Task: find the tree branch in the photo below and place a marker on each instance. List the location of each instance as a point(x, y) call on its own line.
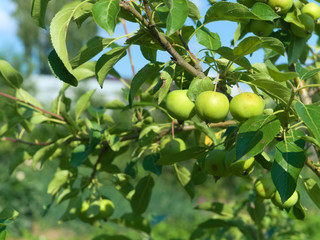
point(163, 41)
point(33, 106)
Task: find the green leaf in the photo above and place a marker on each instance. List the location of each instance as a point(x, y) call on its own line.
point(295, 49)
point(228, 54)
point(83, 103)
point(208, 39)
point(253, 43)
point(141, 197)
point(226, 223)
point(38, 12)
point(254, 134)
point(288, 163)
point(12, 77)
point(198, 86)
point(107, 61)
point(58, 33)
point(7, 215)
point(105, 14)
point(274, 89)
point(59, 70)
point(178, 13)
point(110, 237)
point(216, 207)
point(19, 156)
point(94, 46)
point(310, 115)
point(166, 77)
point(115, 104)
point(190, 153)
point(72, 211)
point(277, 75)
point(144, 38)
point(194, 12)
point(149, 53)
point(79, 155)
point(264, 11)
point(43, 154)
point(184, 177)
point(3, 234)
point(135, 222)
point(313, 190)
point(149, 164)
point(147, 73)
point(59, 179)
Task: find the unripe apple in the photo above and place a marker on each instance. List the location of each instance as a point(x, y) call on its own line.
point(106, 208)
point(308, 28)
point(280, 6)
point(264, 186)
point(261, 28)
point(223, 63)
point(170, 145)
point(311, 9)
point(215, 163)
point(246, 105)
point(239, 168)
point(179, 105)
point(287, 204)
point(83, 215)
point(212, 106)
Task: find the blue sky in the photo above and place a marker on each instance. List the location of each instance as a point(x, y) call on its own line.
point(10, 42)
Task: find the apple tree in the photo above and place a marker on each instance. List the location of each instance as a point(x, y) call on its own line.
point(178, 116)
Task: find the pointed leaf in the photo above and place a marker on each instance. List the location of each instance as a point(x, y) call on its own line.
point(313, 190)
point(38, 12)
point(12, 77)
point(166, 77)
point(105, 14)
point(208, 39)
point(288, 163)
point(310, 115)
point(148, 72)
point(83, 103)
point(59, 179)
point(190, 153)
point(94, 46)
point(198, 86)
point(254, 134)
point(178, 13)
point(107, 61)
point(184, 177)
point(140, 199)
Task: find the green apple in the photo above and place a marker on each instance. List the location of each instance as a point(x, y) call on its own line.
point(280, 6)
point(170, 145)
point(239, 168)
point(261, 28)
point(106, 208)
point(179, 105)
point(246, 105)
point(212, 106)
point(215, 163)
point(264, 186)
point(308, 23)
point(287, 204)
point(298, 4)
point(311, 9)
point(83, 215)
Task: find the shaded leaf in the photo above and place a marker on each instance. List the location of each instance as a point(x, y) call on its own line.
point(313, 190)
point(59, 179)
point(184, 177)
point(12, 77)
point(190, 153)
point(140, 199)
point(83, 103)
point(288, 163)
point(38, 12)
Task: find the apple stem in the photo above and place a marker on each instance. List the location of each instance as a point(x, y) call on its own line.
point(172, 128)
point(217, 80)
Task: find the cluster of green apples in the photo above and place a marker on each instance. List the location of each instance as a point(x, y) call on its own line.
point(307, 15)
point(214, 106)
point(100, 209)
point(265, 189)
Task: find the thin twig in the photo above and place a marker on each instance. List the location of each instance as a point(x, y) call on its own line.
point(163, 41)
point(129, 50)
point(33, 106)
point(217, 80)
point(193, 57)
point(25, 142)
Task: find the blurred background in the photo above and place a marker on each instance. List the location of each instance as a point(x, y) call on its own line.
point(26, 47)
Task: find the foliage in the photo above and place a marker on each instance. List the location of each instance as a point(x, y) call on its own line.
point(118, 143)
